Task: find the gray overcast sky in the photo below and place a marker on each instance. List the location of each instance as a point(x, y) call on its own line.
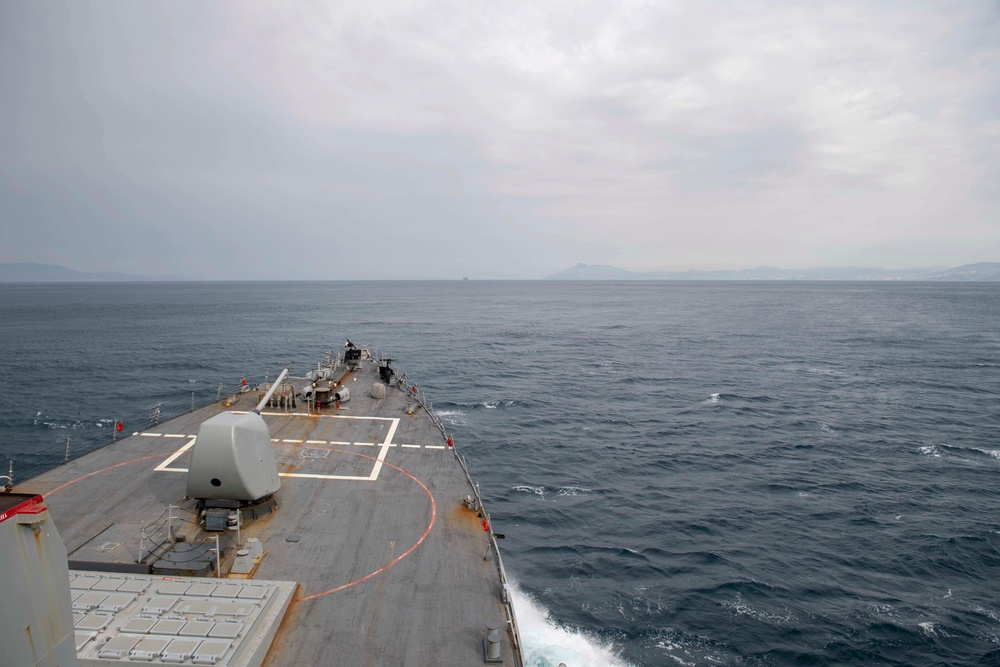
point(399, 139)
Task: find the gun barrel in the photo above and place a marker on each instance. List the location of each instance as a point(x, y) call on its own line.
point(267, 396)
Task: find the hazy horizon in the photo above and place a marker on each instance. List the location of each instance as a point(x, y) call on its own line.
point(424, 140)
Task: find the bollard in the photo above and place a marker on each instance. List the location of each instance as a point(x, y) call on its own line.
point(491, 644)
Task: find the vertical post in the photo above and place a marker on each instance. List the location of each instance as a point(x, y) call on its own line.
point(218, 564)
point(142, 540)
point(114, 431)
point(170, 522)
point(66, 458)
point(192, 401)
point(218, 394)
point(239, 526)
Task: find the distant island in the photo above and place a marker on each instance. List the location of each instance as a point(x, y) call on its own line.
point(982, 271)
point(27, 272)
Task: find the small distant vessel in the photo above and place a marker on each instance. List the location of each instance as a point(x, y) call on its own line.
point(318, 520)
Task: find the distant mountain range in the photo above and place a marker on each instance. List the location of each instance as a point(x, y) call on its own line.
point(983, 271)
point(50, 273)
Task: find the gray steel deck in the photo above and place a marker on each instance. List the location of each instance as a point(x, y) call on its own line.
point(392, 567)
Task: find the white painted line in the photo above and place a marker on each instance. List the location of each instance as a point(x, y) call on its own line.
point(175, 435)
point(339, 442)
point(318, 476)
point(295, 441)
point(384, 450)
point(315, 442)
point(292, 474)
point(307, 414)
point(152, 435)
point(165, 466)
point(275, 440)
point(364, 444)
point(433, 446)
point(135, 433)
point(384, 419)
point(411, 446)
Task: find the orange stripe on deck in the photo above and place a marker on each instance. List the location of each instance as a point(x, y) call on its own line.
point(97, 472)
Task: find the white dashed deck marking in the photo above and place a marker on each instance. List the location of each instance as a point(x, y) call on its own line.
point(376, 469)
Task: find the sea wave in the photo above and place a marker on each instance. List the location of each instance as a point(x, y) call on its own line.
point(547, 643)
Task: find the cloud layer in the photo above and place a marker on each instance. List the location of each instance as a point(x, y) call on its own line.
point(440, 139)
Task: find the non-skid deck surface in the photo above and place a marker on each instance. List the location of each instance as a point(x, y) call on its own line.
point(392, 568)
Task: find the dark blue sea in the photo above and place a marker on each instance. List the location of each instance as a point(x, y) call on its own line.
point(686, 473)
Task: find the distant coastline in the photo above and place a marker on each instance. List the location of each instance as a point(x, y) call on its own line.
point(982, 271)
point(27, 272)
point(979, 272)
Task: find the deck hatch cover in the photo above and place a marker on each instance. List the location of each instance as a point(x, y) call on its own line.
point(148, 648)
point(211, 651)
point(174, 588)
point(159, 604)
point(179, 650)
point(94, 621)
point(83, 583)
point(196, 629)
point(116, 602)
point(89, 600)
point(117, 647)
point(168, 626)
point(108, 584)
point(226, 630)
point(201, 589)
point(138, 625)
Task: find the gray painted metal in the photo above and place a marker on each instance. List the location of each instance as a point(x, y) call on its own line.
point(392, 567)
point(141, 619)
point(233, 459)
point(36, 626)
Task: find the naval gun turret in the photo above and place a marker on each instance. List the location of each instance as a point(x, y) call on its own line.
point(233, 466)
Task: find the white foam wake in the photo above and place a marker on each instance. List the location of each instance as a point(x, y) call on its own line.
point(546, 644)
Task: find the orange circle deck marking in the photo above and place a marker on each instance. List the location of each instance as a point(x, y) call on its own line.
point(403, 555)
point(368, 576)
